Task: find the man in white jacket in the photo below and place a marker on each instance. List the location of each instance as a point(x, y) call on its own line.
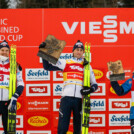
point(73, 72)
point(5, 103)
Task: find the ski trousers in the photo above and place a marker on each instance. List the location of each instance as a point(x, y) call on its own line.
point(4, 113)
point(67, 105)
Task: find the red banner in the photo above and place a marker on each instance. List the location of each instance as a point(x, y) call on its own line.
point(111, 34)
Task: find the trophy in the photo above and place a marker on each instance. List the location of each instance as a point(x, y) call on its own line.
point(51, 52)
point(117, 70)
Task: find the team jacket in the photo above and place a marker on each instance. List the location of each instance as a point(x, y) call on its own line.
point(4, 80)
point(73, 71)
point(124, 89)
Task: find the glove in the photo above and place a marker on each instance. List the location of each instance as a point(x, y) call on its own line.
point(12, 104)
point(85, 62)
point(42, 45)
point(87, 90)
point(132, 113)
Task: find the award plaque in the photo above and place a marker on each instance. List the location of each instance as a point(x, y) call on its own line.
point(117, 70)
point(51, 52)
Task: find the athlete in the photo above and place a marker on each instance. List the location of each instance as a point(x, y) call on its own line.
point(73, 89)
point(123, 89)
point(5, 103)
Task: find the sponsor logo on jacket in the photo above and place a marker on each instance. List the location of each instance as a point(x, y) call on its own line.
point(76, 68)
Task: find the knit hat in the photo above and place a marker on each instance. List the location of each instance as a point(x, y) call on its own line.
point(4, 44)
point(78, 44)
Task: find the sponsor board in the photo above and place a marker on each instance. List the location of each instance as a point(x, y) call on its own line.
point(18, 105)
point(112, 91)
point(57, 76)
point(57, 89)
point(19, 121)
point(128, 73)
point(119, 104)
point(97, 131)
point(37, 74)
point(38, 132)
point(56, 104)
point(37, 121)
point(38, 104)
point(97, 120)
point(101, 91)
point(17, 132)
point(98, 73)
point(119, 120)
point(98, 105)
point(37, 89)
point(121, 131)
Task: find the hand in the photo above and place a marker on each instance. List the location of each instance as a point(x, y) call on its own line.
point(86, 90)
point(42, 45)
point(132, 113)
point(85, 62)
point(12, 104)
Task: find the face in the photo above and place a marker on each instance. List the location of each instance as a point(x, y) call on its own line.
point(4, 51)
point(78, 53)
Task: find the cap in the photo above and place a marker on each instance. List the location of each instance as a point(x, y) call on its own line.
point(78, 44)
point(4, 44)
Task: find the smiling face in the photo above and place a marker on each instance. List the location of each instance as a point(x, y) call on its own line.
point(4, 51)
point(78, 53)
